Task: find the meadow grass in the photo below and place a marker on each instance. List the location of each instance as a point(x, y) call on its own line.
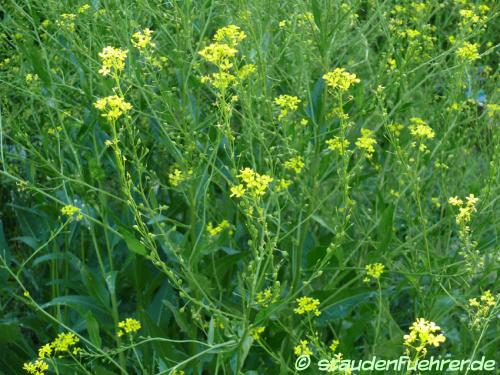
point(239, 187)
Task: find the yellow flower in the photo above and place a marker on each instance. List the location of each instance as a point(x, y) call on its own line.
point(232, 35)
point(468, 51)
point(237, 191)
point(334, 345)
point(391, 64)
point(113, 60)
point(214, 231)
point(340, 79)
point(253, 182)
point(366, 142)
point(481, 309)
point(287, 104)
point(374, 271)
point(128, 325)
point(219, 55)
point(423, 333)
point(466, 209)
point(70, 210)
point(177, 177)
point(83, 8)
point(245, 71)
point(67, 21)
point(307, 304)
point(31, 77)
point(37, 367)
point(221, 80)
point(264, 297)
point(296, 164)
point(64, 341)
point(455, 201)
point(45, 351)
point(303, 349)
point(395, 129)
point(336, 144)
point(419, 128)
point(492, 109)
point(142, 39)
point(283, 184)
point(257, 332)
point(113, 107)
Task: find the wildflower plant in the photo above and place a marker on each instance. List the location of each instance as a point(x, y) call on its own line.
point(482, 309)
point(422, 335)
point(265, 184)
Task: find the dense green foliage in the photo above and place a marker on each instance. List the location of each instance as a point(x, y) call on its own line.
point(202, 179)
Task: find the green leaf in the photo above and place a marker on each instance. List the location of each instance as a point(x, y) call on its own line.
point(9, 333)
point(385, 228)
point(39, 65)
point(341, 308)
point(133, 243)
point(93, 329)
point(82, 304)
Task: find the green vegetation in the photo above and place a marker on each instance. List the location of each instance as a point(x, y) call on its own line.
point(239, 187)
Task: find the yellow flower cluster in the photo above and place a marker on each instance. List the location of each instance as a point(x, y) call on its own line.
point(264, 297)
point(373, 271)
point(334, 345)
point(395, 128)
point(336, 144)
point(468, 51)
point(423, 333)
point(177, 177)
point(37, 367)
point(287, 104)
point(113, 60)
point(64, 342)
point(303, 349)
point(29, 78)
point(83, 8)
point(67, 21)
point(128, 325)
point(465, 208)
point(296, 164)
point(340, 79)
point(366, 143)
point(283, 184)
point(143, 39)
point(45, 351)
point(70, 210)
point(471, 19)
point(221, 53)
point(257, 332)
point(481, 309)
point(230, 35)
point(420, 130)
point(307, 304)
point(253, 183)
point(492, 109)
point(214, 231)
point(113, 107)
